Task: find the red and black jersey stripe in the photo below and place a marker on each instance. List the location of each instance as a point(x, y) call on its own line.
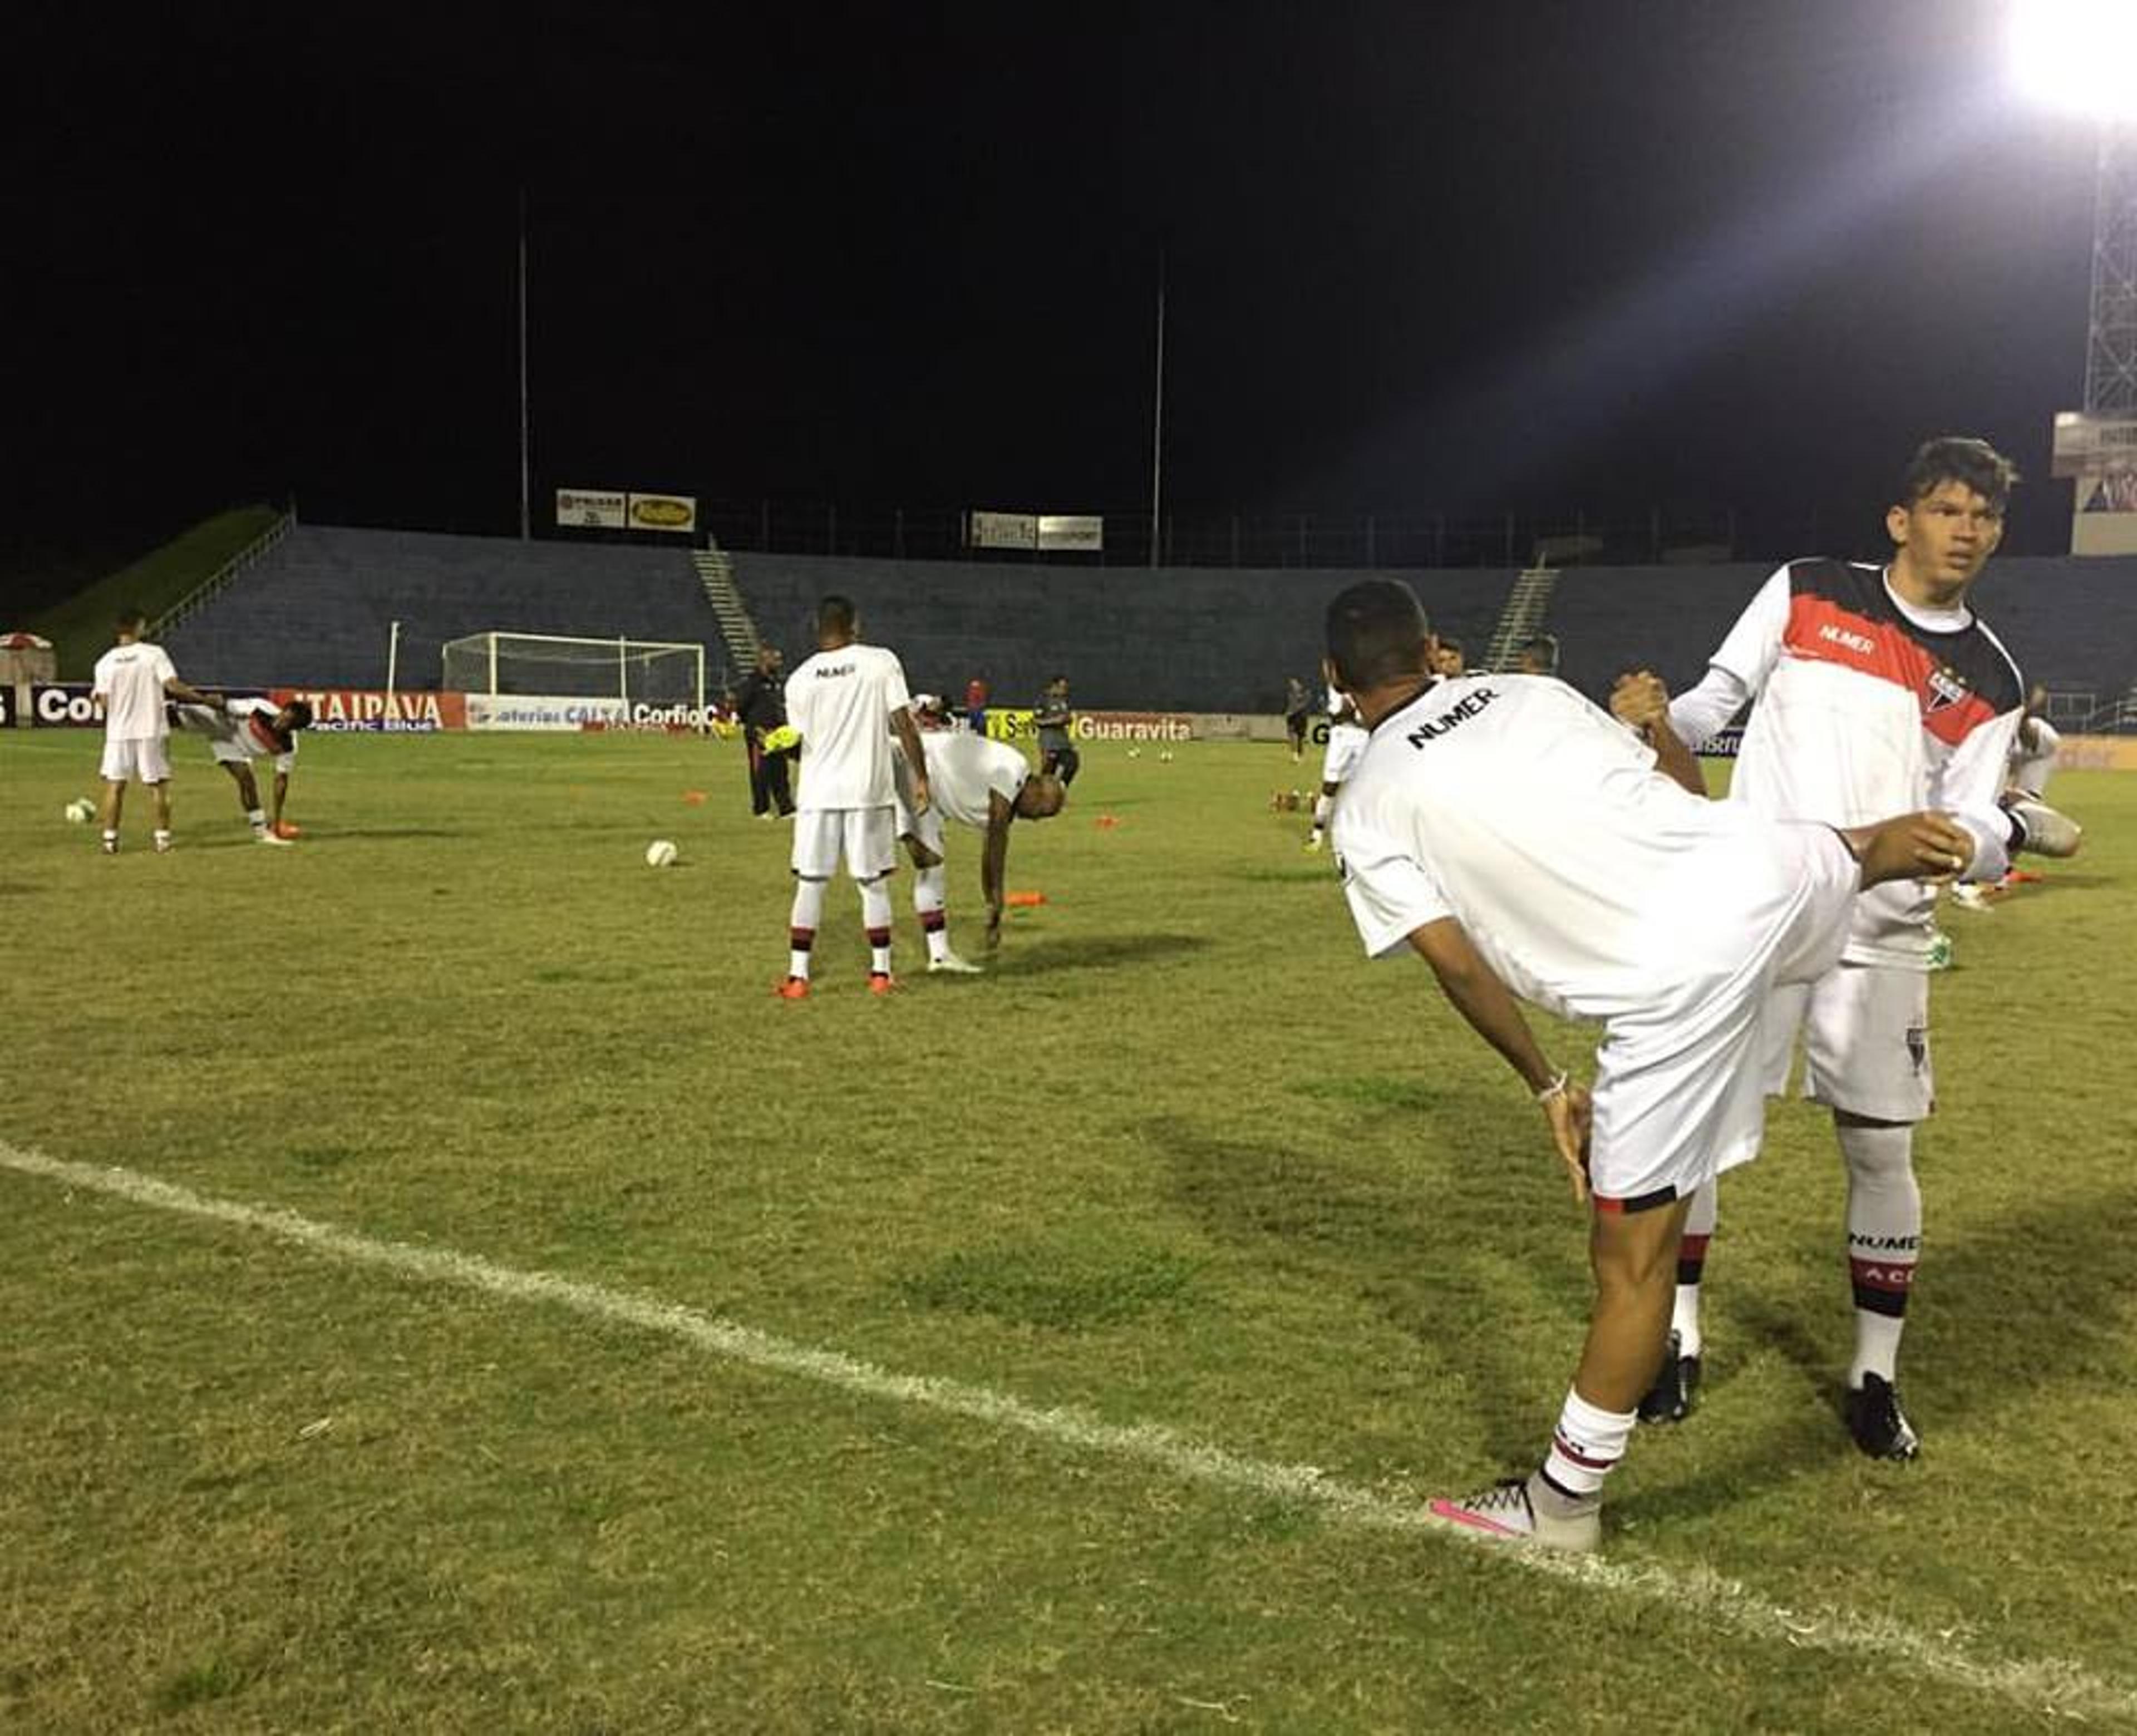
point(1840, 613)
point(263, 733)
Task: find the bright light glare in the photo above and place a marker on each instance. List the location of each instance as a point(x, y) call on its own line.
point(2078, 55)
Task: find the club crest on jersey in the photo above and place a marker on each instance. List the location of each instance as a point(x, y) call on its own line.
point(1918, 1047)
point(1945, 687)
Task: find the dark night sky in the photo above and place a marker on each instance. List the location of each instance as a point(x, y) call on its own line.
point(1460, 258)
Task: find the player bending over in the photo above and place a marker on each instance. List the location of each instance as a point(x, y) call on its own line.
point(846, 702)
point(247, 731)
point(1877, 690)
point(985, 784)
point(1523, 843)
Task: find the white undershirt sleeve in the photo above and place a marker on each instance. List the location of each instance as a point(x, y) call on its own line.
point(1737, 672)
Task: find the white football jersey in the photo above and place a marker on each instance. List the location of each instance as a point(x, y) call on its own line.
point(1583, 876)
point(1865, 707)
point(244, 727)
point(842, 701)
point(965, 770)
point(131, 679)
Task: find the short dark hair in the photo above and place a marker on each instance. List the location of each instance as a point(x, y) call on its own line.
point(1962, 458)
point(1376, 633)
point(835, 614)
point(301, 714)
point(130, 618)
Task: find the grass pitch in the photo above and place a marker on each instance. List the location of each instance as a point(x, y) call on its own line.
point(1181, 1158)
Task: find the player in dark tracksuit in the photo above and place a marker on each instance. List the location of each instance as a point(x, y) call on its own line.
point(760, 703)
point(1057, 752)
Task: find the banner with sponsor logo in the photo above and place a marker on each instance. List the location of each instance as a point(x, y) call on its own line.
point(373, 712)
point(64, 705)
point(1001, 530)
point(1084, 531)
point(662, 512)
point(593, 509)
point(7, 704)
point(544, 711)
point(674, 720)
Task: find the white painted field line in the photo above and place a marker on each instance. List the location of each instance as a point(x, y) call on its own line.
point(2039, 1685)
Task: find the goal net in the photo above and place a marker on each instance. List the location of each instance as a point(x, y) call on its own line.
point(644, 671)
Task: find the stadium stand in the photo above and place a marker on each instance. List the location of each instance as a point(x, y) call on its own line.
point(1179, 639)
point(316, 608)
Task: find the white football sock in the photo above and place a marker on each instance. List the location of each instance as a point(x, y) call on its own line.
point(929, 899)
point(875, 918)
point(1884, 1242)
point(802, 927)
point(1692, 1267)
point(1586, 1447)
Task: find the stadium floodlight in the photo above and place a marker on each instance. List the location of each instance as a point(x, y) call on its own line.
point(2076, 55)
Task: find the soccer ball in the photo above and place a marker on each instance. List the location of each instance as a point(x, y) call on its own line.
point(661, 853)
point(80, 811)
point(1135, 753)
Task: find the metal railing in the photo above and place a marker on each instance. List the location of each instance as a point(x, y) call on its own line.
point(203, 594)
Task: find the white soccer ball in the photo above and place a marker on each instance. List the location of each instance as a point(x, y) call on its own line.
point(661, 853)
point(80, 811)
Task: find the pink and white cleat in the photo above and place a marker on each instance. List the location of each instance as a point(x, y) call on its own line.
point(1503, 1513)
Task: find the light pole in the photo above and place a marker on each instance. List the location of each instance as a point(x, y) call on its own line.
point(2075, 56)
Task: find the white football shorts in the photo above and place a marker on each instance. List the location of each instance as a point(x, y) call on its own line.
point(1678, 1090)
point(145, 757)
point(1346, 742)
point(925, 829)
point(1866, 1042)
point(866, 838)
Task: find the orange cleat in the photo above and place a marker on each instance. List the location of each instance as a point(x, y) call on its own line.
point(795, 988)
point(881, 983)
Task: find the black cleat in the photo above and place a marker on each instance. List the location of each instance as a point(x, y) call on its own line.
point(1677, 1386)
point(1880, 1426)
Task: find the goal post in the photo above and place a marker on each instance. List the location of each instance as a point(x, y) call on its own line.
point(642, 671)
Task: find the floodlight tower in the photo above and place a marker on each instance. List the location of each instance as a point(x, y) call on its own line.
point(2076, 55)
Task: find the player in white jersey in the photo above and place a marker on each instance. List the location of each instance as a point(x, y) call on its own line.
point(133, 682)
point(1524, 844)
point(244, 731)
point(985, 784)
point(1346, 741)
point(845, 702)
point(1876, 691)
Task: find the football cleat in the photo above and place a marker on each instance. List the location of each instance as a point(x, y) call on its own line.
point(108, 846)
point(2048, 833)
point(1970, 895)
point(273, 837)
point(795, 988)
point(1670, 1399)
point(1503, 1513)
point(954, 965)
point(1312, 844)
point(882, 982)
point(1880, 1426)
point(162, 847)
